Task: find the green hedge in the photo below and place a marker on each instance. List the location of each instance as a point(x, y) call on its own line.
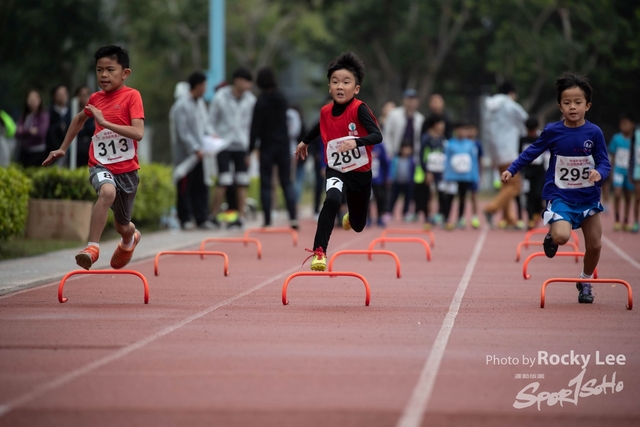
point(156, 192)
point(14, 201)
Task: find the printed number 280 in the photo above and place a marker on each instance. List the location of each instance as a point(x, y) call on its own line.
point(345, 156)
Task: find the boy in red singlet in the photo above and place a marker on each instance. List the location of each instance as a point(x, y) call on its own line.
point(113, 158)
point(349, 130)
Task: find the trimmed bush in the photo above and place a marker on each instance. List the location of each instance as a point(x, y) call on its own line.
point(61, 184)
point(156, 194)
point(14, 201)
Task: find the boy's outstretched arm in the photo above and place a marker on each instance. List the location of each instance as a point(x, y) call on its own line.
point(74, 128)
point(135, 131)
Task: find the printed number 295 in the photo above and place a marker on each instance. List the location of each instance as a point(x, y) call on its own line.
point(575, 174)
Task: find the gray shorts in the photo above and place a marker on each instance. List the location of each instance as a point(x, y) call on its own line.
point(126, 187)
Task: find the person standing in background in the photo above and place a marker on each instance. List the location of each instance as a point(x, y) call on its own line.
point(505, 125)
point(620, 150)
point(297, 131)
point(379, 181)
point(84, 136)
point(269, 126)
point(59, 120)
point(231, 112)
point(436, 107)
point(32, 130)
point(404, 124)
point(534, 175)
point(187, 139)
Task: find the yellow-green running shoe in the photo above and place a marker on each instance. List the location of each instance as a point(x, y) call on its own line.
point(318, 259)
point(345, 222)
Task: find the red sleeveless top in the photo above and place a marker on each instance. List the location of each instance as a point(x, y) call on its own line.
point(346, 124)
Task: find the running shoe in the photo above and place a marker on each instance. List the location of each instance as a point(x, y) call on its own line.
point(427, 226)
point(450, 226)
point(237, 223)
point(635, 228)
point(520, 224)
point(122, 256)
point(617, 226)
point(461, 224)
point(550, 248)
point(318, 259)
point(88, 256)
point(475, 222)
point(345, 223)
point(584, 293)
point(294, 224)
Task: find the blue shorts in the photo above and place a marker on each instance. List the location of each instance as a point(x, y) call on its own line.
point(621, 180)
point(474, 186)
point(574, 213)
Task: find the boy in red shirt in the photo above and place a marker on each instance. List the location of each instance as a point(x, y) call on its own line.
point(349, 130)
point(113, 158)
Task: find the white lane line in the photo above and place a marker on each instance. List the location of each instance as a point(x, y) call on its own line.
point(70, 376)
point(620, 252)
point(413, 413)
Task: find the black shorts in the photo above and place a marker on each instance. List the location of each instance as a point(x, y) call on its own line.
point(225, 177)
point(126, 188)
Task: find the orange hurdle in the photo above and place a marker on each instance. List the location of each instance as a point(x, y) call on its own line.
point(540, 254)
point(270, 230)
point(244, 240)
point(108, 272)
point(326, 273)
point(201, 253)
point(526, 245)
point(365, 252)
point(527, 237)
point(381, 240)
point(622, 282)
point(432, 239)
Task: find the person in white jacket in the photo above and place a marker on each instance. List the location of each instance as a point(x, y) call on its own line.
point(231, 112)
point(403, 123)
point(504, 125)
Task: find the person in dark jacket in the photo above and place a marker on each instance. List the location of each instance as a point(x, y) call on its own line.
point(59, 120)
point(32, 132)
point(269, 127)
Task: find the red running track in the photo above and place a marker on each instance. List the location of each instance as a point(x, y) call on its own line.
point(213, 350)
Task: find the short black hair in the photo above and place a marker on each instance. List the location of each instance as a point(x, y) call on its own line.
point(114, 52)
point(242, 73)
point(569, 80)
point(266, 79)
point(433, 119)
point(347, 61)
point(627, 115)
point(55, 89)
point(507, 87)
point(458, 125)
point(196, 78)
point(531, 123)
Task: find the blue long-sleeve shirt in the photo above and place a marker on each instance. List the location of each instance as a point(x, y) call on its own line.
point(574, 152)
point(379, 165)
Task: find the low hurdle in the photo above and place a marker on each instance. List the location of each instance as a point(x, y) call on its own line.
point(527, 237)
point(526, 245)
point(381, 240)
point(274, 230)
point(365, 252)
point(542, 254)
point(244, 240)
point(326, 273)
point(103, 272)
point(201, 253)
point(568, 280)
point(432, 238)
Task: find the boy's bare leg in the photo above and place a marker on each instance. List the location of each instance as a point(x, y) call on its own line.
point(592, 231)
point(242, 199)
point(100, 211)
point(560, 232)
point(126, 231)
point(218, 196)
point(627, 205)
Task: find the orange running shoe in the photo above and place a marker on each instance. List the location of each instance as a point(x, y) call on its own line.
point(122, 256)
point(88, 256)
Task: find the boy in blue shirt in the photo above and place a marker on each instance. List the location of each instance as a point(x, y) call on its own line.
point(579, 163)
point(620, 147)
point(460, 172)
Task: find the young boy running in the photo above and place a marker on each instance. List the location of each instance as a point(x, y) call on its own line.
point(579, 164)
point(349, 130)
point(113, 159)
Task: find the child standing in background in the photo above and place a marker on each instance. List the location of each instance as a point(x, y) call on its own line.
point(472, 134)
point(380, 176)
point(461, 170)
point(401, 175)
point(619, 148)
point(432, 160)
point(534, 175)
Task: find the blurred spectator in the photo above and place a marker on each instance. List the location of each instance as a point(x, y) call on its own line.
point(187, 140)
point(534, 176)
point(297, 131)
point(401, 174)
point(7, 131)
point(379, 180)
point(505, 125)
point(84, 136)
point(404, 124)
point(384, 113)
point(231, 112)
point(432, 161)
point(269, 126)
point(59, 120)
point(436, 107)
point(32, 132)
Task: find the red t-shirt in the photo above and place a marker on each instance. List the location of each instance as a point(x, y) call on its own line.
point(346, 124)
point(116, 153)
